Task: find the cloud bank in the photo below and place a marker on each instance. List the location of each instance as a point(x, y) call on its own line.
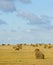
point(43, 22)
point(7, 5)
point(25, 1)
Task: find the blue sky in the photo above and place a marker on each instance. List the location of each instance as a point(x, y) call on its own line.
point(26, 21)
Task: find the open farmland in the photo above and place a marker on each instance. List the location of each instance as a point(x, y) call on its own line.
point(25, 56)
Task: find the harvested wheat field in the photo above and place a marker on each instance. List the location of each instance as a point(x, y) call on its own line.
point(24, 54)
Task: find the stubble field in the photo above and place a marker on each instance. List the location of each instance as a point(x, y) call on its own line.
point(25, 56)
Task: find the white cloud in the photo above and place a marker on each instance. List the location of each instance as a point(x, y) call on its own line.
point(28, 30)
